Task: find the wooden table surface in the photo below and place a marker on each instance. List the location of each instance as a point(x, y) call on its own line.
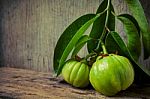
point(26, 84)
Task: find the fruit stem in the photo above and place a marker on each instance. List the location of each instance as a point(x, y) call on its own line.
point(77, 58)
point(89, 55)
point(84, 61)
point(104, 48)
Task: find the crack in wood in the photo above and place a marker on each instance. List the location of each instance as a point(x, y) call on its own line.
point(82, 93)
point(6, 97)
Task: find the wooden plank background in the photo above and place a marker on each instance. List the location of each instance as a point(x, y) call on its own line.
point(29, 29)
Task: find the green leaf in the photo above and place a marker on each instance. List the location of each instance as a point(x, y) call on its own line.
point(113, 47)
point(138, 12)
point(139, 69)
point(69, 38)
point(81, 42)
point(132, 31)
point(111, 18)
point(98, 29)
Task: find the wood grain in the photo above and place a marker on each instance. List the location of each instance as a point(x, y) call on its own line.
point(29, 29)
point(25, 84)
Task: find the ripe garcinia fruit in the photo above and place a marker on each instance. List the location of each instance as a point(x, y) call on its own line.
point(76, 73)
point(111, 74)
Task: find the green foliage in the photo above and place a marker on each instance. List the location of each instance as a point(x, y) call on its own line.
point(69, 38)
point(138, 12)
point(103, 30)
point(132, 30)
point(98, 29)
point(81, 42)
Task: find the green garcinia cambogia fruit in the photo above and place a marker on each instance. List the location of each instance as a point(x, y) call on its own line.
point(111, 74)
point(76, 73)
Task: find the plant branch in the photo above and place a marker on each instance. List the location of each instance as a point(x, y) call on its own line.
point(104, 31)
point(89, 55)
point(106, 21)
point(104, 48)
point(107, 29)
point(113, 14)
